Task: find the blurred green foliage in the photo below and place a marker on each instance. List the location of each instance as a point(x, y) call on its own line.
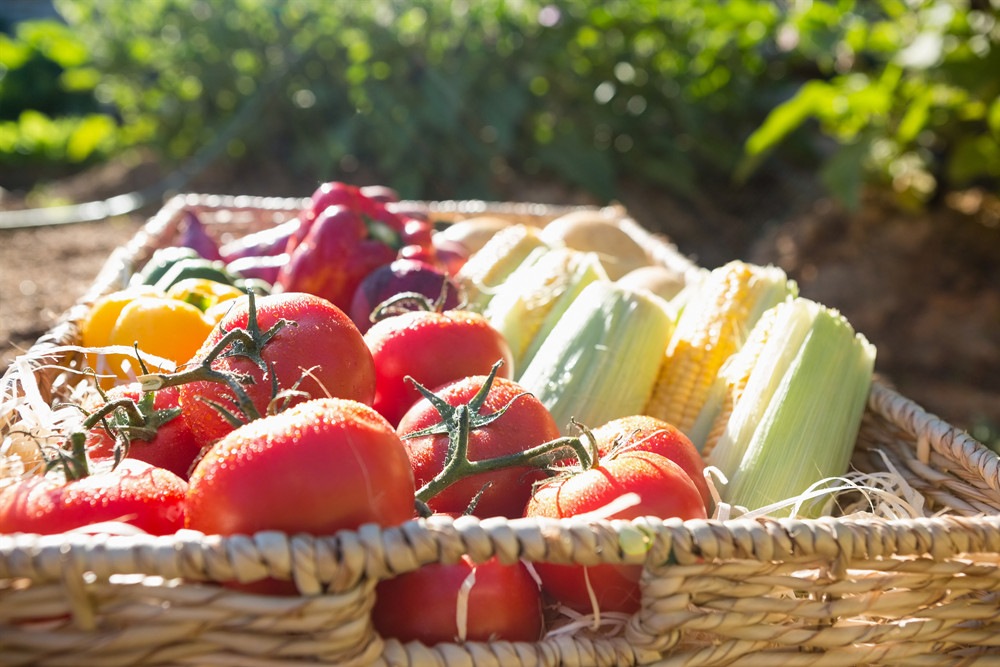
point(443, 98)
point(48, 112)
point(908, 91)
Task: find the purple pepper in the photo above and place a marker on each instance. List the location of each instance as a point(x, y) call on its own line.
point(194, 235)
point(401, 275)
point(265, 243)
point(263, 267)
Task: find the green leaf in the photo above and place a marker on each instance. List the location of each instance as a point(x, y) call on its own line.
point(56, 41)
point(574, 159)
point(993, 116)
point(80, 79)
point(788, 116)
point(973, 158)
point(915, 119)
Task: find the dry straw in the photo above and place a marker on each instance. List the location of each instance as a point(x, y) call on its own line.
point(871, 587)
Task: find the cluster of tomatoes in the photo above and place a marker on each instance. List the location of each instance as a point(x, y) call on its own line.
point(289, 418)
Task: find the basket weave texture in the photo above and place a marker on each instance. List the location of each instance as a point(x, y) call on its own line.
point(855, 590)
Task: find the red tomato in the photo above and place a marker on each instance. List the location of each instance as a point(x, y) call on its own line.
point(172, 447)
point(654, 435)
point(526, 423)
point(465, 601)
point(319, 467)
point(661, 489)
point(135, 493)
point(321, 353)
point(433, 348)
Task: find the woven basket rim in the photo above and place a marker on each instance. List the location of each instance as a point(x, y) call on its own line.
point(379, 552)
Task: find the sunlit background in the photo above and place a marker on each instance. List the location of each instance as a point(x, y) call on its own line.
point(446, 99)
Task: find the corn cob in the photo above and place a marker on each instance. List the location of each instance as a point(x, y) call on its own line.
point(771, 345)
point(733, 374)
point(715, 322)
point(490, 266)
point(594, 365)
point(536, 295)
point(795, 421)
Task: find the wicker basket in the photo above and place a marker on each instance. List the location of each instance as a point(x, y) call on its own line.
point(836, 591)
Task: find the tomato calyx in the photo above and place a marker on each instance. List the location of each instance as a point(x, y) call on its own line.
point(123, 419)
point(72, 461)
point(126, 420)
point(459, 420)
point(247, 342)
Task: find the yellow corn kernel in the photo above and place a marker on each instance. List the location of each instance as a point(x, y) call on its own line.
point(735, 372)
point(713, 325)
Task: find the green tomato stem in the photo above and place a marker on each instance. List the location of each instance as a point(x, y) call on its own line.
point(248, 342)
point(458, 421)
point(458, 466)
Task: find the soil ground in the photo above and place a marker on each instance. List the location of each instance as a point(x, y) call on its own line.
point(923, 286)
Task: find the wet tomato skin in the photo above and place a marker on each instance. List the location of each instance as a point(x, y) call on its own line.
point(433, 348)
point(645, 484)
point(642, 432)
point(321, 353)
point(525, 424)
point(464, 601)
point(318, 467)
point(137, 493)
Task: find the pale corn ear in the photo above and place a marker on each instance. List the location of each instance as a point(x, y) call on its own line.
point(767, 354)
point(717, 317)
point(492, 264)
point(798, 418)
point(535, 296)
point(600, 360)
point(735, 372)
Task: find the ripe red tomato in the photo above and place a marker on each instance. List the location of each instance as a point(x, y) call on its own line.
point(318, 467)
point(465, 601)
point(655, 435)
point(526, 423)
point(135, 493)
point(172, 447)
point(661, 489)
point(321, 353)
point(433, 348)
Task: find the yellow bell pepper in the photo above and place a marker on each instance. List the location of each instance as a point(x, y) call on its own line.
point(161, 324)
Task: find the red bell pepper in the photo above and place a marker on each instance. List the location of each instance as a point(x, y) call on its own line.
point(344, 234)
point(329, 194)
point(341, 247)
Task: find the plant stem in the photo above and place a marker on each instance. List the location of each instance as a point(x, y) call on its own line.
point(459, 466)
point(246, 342)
